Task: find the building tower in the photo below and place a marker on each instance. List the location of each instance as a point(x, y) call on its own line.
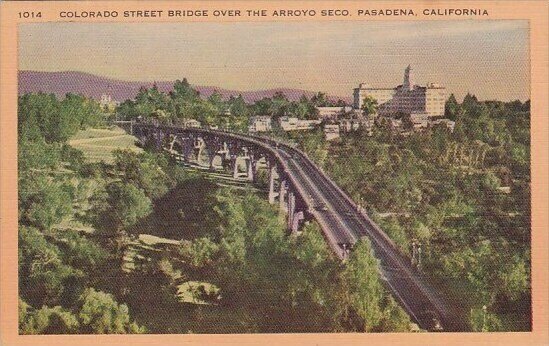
point(408, 84)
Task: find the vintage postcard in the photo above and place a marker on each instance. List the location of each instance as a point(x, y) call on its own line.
point(262, 172)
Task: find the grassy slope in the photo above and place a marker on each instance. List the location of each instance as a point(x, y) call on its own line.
point(98, 144)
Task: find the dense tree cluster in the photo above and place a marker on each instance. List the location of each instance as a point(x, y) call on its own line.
point(464, 195)
point(272, 282)
point(70, 281)
point(58, 267)
point(184, 102)
point(43, 116)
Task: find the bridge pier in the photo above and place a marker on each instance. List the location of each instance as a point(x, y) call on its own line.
point(297, 218)
point(272, 193)
point(158, 139)
point(211, 157)
point(291, 208)
point(282, 195)
point(251, 168)
point(173, 139)
point(234, 165)
point(199, 146)
point(187, 149)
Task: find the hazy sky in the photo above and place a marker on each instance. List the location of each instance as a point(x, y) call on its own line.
point(487, 58)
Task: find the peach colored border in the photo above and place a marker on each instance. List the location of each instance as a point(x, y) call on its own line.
point(535, 11)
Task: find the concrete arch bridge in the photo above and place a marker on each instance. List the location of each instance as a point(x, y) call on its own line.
point(305, 192)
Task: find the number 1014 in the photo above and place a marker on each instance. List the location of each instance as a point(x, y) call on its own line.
point(30, 14)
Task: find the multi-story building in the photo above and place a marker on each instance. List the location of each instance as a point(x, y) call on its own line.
point(450, 125)
point(292, 124)
point(332, 113)
point(382, 95)
point(107, 103)
point(260, 123)
point(407, 98)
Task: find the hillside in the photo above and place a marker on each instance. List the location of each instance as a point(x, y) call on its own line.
point(94, 86)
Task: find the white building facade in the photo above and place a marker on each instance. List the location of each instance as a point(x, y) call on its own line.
point(332, 113)
point(293, 124)
point(407, 98)
point(260, 123)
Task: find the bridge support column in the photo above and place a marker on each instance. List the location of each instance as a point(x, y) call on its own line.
point(226, 160)
point(291, 208)
point(272, 193)
point(158, 139)
point(234, 163)
point(211, 158)
point(188, 147)
point(172, 142)
point(199, 145)
point(282, 195)
point(251, 167)
point(297, 218)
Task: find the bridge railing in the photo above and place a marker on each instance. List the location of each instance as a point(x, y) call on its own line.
point(402, 258)
point(270, 141)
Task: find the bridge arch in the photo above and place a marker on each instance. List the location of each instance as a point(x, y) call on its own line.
point(304, 191)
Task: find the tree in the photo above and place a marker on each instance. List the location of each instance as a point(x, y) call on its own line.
point(79, 251)
point(303, 109)
point(46, 320)
point(126, 204)
point(369, 106)
point(263, 106)
point(182, 90)
point(315, 146)
point(43, 202)
point(483, 321)
point(79, 112)
point(451, 108)
point(101, 314)
point(42, 115)
point(144, 170)
point(299, 110)
point(280, 105)
point(43, 277)
point(320, 100)
point(217, 101)
point(469, 101)
point(311, 247)
point(365, 291)
point(38, 115)
point(198, 253)
point(36, 154)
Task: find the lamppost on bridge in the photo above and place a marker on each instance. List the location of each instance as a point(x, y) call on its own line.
point(360, 204)
point(346, 250)
point(419, 255)
point(414, 252)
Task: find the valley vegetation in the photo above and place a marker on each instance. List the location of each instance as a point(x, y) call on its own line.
point(221, 260)
point(138, 244)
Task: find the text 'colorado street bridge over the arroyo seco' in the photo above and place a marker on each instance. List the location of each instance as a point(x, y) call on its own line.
point(305, 192)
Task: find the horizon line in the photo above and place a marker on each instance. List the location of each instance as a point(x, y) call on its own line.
point(218, 88)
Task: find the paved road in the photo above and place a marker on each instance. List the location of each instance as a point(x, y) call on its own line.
point(343, 225)
point(408, 286)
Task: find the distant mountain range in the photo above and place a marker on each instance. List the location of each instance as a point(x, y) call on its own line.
point(94, 86)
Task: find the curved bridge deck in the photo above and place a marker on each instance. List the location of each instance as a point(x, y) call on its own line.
point(343, 224)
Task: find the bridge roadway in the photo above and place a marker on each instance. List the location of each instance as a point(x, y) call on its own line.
point(343, 223)
point(406, 283)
